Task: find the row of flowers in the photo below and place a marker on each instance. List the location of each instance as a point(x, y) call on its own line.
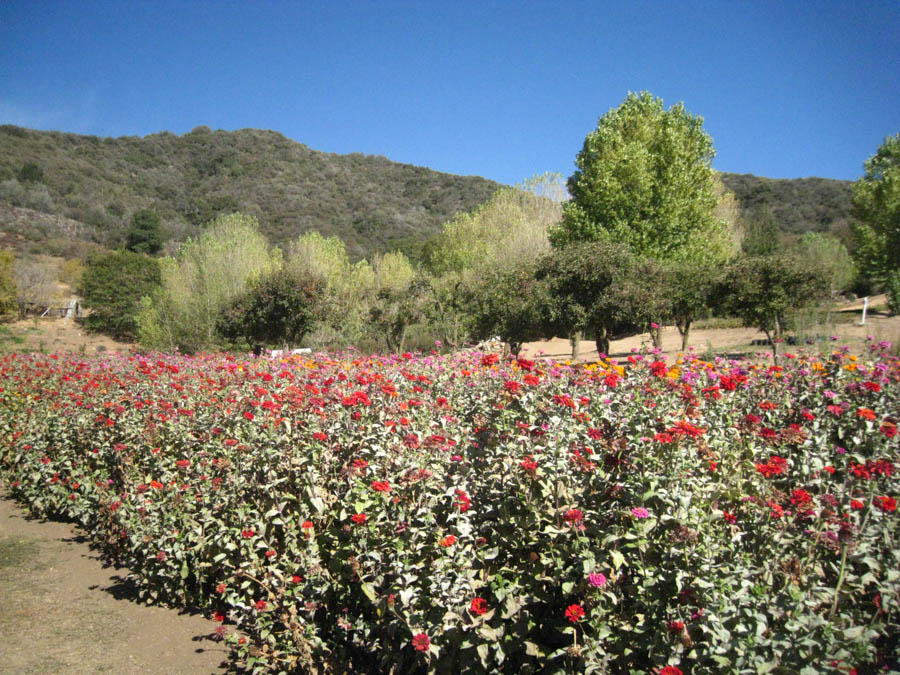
point(466, 512)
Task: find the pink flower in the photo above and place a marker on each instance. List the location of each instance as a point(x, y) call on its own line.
point(640, 512)
point(597, 580)
point(420, 642)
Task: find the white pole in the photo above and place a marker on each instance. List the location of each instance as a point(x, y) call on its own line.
point(865, 307)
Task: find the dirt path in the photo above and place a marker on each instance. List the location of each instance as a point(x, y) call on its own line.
point(63, 611)
point(724, 341)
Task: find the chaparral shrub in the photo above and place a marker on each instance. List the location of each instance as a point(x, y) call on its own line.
point(466, 513)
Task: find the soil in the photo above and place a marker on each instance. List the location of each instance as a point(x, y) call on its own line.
point(732, 342)
point(62, 610)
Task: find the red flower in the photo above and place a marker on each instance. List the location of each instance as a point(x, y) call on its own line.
point(856, 505)
point(866, 413)
point(218, 616)
point(529, 465)
point(670, 670)
point(448, 541)
point(260, 605)
point(658, 368)
point(183, 463)
point(729, 517)
point(320, 436)
point(489, 359)
point(221, 588)
point(574, 613)
point(872, 386)
point(462, 501)
point(889, 429)
point(358, 518)
point(296, 579)
point(512, 387)
point(381, 486)
point(270, 554)
point(249, 415)
point(479, 606)
point(800, 498)
point(420, 642)
point(247, 533)
point(307, 525)
point(573, 516)
point(886, 504)
point(675, 626)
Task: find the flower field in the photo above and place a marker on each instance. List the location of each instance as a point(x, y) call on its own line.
point(465, 513)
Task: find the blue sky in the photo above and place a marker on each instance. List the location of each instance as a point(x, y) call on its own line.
point(503, 90)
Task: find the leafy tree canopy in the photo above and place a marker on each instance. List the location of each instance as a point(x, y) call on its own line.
point(145, 234)
point(112, 286)
point(876, 197)
point(645, 179)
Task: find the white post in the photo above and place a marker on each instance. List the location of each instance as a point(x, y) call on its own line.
point(865, 307)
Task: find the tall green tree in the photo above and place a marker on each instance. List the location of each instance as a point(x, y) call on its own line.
point(202, 281)
point(876, 199)
point(645, 179)
point(276, 311)
point(826, 251)
point(112, 286)
point(145, 234)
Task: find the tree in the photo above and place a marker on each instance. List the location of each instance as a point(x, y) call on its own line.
point(645, 179)
point(761, 233)
point(512, 305)
point(35, 283)
point(397, 300)
point(112, 286)
point(876, 199)
point(145, 234)
point(689, 289)
point(202, 281)
point(826, 251)
point(765, 292)
point(600, 288)
point(277, 310)
point(7, 284)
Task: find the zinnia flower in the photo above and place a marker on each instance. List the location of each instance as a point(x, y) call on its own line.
point(640, 512)
point(420, 642)
point(479, 606)
point(597, 580)
point(574, 613)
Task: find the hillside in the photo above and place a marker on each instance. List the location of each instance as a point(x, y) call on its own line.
point(90, 187)
point(798, 204)
point(371, 202)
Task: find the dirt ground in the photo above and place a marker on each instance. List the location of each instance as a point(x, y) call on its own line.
point(59, 335)
point(63, 611)
point(731, 341)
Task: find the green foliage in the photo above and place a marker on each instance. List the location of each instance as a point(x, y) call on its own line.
point(510, 304)
point(507, 229)
point(188, 180)
point(796, 205)
point(761, 233)
point(688, 291)
point(826, 251)
point(145, 234)
point(7, 284)
point(276, 311)
point(465, 514)
point(31, 173)
point(645, 179)
point(601, 288)
point(112, 286)
point(892, 289)
point(876, 198)
point(201, 282)
point(397, 297)
point(765, 291)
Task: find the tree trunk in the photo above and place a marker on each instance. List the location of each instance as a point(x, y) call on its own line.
point(576, 344)
point(656, 336)
point(515, 348)
point(602, 342)
point(685, 335)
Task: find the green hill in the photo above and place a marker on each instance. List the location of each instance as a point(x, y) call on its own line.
point(371, 202)
point(92, 186)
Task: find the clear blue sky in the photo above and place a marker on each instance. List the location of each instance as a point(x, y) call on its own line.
point(503, 90)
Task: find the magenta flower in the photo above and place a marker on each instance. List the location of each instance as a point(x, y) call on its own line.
point(640, 512)
point(597, 580)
